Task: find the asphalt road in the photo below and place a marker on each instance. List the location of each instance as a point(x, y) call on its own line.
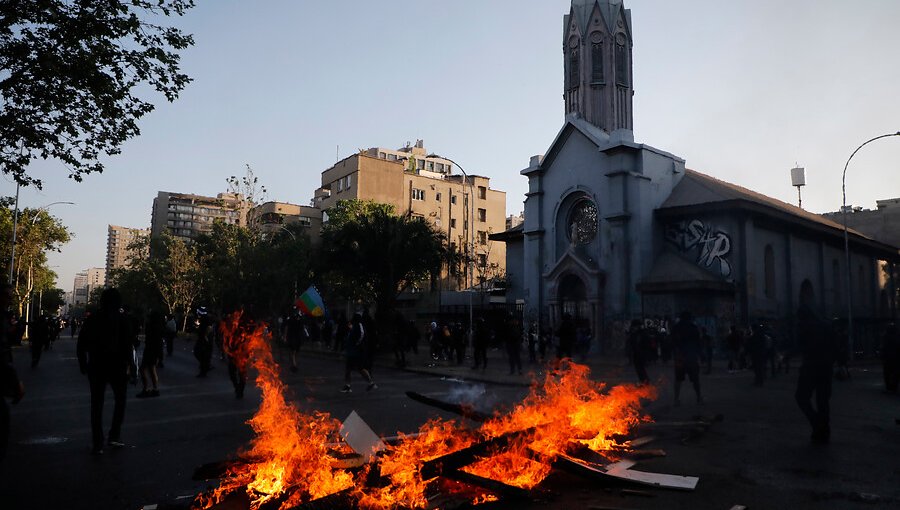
point(759, 456)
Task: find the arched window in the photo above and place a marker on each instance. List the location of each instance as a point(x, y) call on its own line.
point(574, 70)
point(769, 269)
point(807, 294)
point(582, 222)
point(596, 58)
point(621, 61)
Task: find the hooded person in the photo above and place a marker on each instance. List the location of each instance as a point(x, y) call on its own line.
point(105, 346)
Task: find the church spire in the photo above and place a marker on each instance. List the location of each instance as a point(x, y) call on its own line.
point(597, 47)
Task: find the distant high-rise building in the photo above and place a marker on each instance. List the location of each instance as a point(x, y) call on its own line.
point(117, 242)
point(464, 207)
point(85, 283)
point(186, 216)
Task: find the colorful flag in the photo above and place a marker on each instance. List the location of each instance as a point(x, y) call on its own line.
point(310, 303)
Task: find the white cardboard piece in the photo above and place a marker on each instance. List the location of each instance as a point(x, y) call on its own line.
point(360, 436)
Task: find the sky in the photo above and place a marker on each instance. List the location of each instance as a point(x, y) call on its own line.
point(743, 90)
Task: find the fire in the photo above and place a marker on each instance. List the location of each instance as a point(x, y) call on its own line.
point(567, 406)
point(289, 462)
point(289, 452)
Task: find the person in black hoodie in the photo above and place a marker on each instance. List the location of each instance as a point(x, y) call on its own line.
point(104, 353)
point(818, 347)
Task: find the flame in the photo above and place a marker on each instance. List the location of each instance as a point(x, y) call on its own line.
point(290, 463)
point(567, 405)
point(289, 452)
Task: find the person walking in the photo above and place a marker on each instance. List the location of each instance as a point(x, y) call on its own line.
point(513, 342)
point(757, 346)
point(171, 333)
point(10, 385)
point(203, 346)
point(734, 340)
point(686, 349)
point(818, 345)
point(637, 346)
point(153, 354)
point(295, 334)
point(566, 336)
point(104, 350)
point(480, 344)
point(38, 338)
point(356, 355)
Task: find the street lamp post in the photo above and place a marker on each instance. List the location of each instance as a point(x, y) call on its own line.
point(470, 266)
point(849, 287)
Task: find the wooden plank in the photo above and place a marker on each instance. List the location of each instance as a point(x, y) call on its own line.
point(462, 458)
point(463, 410)
point(640, 441)
point(664, 481)
point(497, 488)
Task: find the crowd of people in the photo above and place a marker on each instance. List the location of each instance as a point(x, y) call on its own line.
point(108, 346)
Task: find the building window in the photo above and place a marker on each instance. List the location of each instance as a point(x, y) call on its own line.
point(420, 164)
point(452, 199)
point(482, 192)
point(392, 157)
point(573, 68)
point(482, 215)
point(437, 197)
point(418, 194)
point(347, 184)
point(440, 167)
point(482, 260)
point(597, 62)
point(621, 61)
point(452, 222)
point(340, 185)
point(431, 166)
point(769, 271)
point(482, 237)
point(382, 155)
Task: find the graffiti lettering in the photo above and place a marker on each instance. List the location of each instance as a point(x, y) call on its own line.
point(713, 246)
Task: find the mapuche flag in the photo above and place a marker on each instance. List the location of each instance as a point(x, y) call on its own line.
point(310, 303)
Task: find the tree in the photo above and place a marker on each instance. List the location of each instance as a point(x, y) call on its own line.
point(71, 73)
point(376, 255)
point(175, 270)
point(37, 233)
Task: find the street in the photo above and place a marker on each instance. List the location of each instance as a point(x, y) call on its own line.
point(758, 456)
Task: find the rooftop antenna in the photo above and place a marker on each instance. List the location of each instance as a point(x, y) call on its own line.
point(798, 180)
point(337, 152)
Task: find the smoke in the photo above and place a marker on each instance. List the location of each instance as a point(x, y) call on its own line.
point(475, 395)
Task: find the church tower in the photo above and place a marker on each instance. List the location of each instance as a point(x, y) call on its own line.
point(598, 73)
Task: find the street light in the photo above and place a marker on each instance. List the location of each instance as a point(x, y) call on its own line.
point(470, 252)
point(847, 240)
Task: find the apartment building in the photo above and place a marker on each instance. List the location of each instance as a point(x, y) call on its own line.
point(414, 182)
point(85, 283)
point(118, 240)
point(271, 217)
point(186, 215)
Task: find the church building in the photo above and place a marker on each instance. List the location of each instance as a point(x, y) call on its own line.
point(616, 229)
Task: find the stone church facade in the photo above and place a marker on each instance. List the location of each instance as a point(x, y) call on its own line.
point(615, 229)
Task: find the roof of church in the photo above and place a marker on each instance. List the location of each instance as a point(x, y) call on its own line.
point(696, 188)
point(584, 8)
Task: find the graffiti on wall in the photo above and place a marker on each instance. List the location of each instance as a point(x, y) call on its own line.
point(713, 245)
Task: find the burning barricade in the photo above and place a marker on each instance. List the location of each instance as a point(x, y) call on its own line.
point(297, 460)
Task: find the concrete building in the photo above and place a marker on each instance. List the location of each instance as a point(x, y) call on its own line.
point(118, 240)
point(616, 230)
point(186, 215)
point(85, 283)
point(882, 223)
point(270, 217)
point(463, 206)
